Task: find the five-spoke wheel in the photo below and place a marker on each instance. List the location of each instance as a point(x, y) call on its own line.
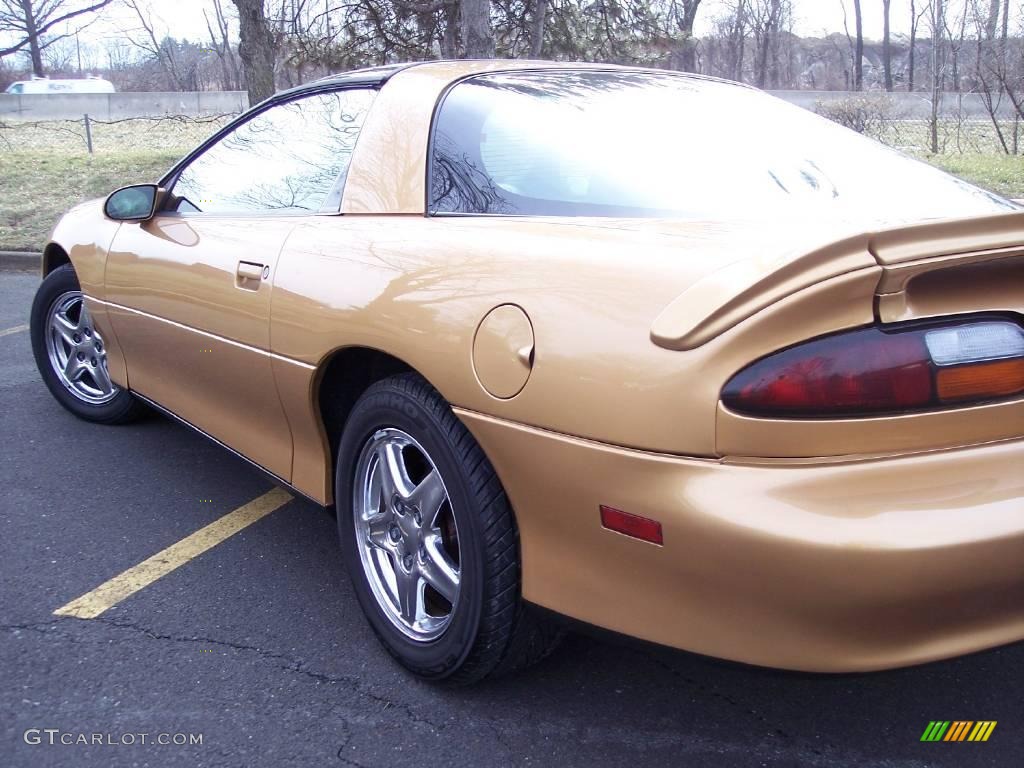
point(409, 537)
point(71, 353)
point(76, 350)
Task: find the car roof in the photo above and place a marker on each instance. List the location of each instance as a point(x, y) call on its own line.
point(377, 76)
point(371, 76)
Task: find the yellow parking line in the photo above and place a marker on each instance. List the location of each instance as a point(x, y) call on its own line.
point(15, 329)
point(92, 604)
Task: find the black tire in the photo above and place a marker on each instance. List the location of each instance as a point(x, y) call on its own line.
point(491, 631)
point(123, 407)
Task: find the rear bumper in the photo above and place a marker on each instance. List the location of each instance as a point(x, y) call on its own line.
point(828, 567)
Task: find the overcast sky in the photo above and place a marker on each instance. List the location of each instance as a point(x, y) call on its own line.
point(184, 18)
point(817, 17)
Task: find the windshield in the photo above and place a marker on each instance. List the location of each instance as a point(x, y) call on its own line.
point(609, 143)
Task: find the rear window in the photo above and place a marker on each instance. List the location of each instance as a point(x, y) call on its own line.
point(636, 144)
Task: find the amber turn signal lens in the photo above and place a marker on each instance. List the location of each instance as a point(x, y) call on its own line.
point(974, 382)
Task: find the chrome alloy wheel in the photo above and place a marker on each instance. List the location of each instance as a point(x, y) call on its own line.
point(77, 353)
point(406, 534)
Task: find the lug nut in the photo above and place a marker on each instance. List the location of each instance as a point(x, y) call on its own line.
point(78, 338)
point(407, 562)
point(80, 356)
point(394, 533)
point(88, 332)
point(92, 361)
point(416, 516)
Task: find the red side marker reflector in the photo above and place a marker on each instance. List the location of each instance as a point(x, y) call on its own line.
point(632, 525)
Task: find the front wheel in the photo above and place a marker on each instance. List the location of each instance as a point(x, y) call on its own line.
point(429, 539)
point(71, 354)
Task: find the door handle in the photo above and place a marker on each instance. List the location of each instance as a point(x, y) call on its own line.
point(249, 274)
point(248, 270)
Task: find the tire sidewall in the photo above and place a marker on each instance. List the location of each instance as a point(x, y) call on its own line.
point(390, 407)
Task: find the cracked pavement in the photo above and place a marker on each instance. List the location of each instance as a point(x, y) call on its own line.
point(259, 644)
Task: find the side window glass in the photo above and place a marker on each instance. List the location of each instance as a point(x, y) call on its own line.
point(287, 159)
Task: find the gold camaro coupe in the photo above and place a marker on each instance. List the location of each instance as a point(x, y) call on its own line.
point(656, 352)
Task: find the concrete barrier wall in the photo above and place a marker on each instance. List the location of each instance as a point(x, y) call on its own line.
point(903, 105)
point(115, 106)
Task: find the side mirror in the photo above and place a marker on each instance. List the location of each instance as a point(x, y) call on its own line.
point(134, 203)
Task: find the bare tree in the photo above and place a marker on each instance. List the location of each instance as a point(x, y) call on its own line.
point(221, 43)
point(887, 44)
point(992, 22)
point(858, 53)
point(956, 40)
point(684, 13)
point(475, 26)
point(854, 42)
point(257, 49)
point(537, 18)
point(739, 37)
point(765, 20)
point(147, 41)
point(915, 23)
point(725, 47)
point(937, 22)
point(29, 22)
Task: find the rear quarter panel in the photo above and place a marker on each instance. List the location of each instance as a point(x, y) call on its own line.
point(417, 288)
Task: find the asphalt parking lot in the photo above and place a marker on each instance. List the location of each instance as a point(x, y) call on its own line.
point(259, 646)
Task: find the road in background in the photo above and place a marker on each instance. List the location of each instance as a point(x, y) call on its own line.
point(259, 645)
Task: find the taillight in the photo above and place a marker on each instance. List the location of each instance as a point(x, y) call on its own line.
point(882, 370)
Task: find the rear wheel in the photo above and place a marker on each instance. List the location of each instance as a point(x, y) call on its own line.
point(71, 354)
point(429, 539)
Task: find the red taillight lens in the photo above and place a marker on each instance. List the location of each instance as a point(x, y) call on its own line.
point(875, 371)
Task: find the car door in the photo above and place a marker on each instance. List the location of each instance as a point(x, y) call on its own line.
point(188, 291)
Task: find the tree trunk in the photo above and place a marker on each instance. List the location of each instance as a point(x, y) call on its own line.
point(913, 47)
point(762, 57)
point(886, 45)
point(741, 39)
point(33, 37)
point(938, 21)
point(450, 35)
point(768, 31)
point(688, 59)
point(475, 25)
point(858, 54)
point(256, 49)
point(992, 23)
point(540, 10)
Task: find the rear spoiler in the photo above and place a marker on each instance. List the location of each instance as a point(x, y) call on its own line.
point(725, 298)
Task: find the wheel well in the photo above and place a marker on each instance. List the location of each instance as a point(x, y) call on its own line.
point(345, 376)
point(53, 257)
